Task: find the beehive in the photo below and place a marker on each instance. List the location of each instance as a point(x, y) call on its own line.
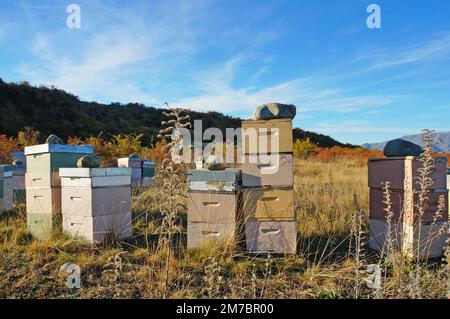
point(407, 224)
point(213, 206)
point(96, 202)
point(267, 181)
point(43, 184)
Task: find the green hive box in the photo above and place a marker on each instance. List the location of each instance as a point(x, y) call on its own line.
point(41, 226)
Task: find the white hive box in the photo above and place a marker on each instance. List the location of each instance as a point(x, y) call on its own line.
point(96, 202)
point(94, 192)
point(97, 229)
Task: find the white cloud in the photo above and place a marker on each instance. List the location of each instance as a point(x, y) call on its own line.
point(437, 48)
point(215, 91)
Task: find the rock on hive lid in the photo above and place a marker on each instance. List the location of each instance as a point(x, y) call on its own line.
point(275, 111)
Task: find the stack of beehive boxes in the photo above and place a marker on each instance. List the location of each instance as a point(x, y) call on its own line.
point(148, 172)
point(43, 184)
point(96, 202)
point(6, 187)
point(267, 180)
point(18, 179)
point(213, 206)
point(402, 173)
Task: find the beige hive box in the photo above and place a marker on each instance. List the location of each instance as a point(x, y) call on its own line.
point(208, 207)
point(406, 237)
point(200, 234)
point(268, 203)
point(267, 170)
point(271, 236)
point(399, 206)
point(18, 184)
point(397, 169)
point(90, 196)
point(42, 183)
point(258, 136)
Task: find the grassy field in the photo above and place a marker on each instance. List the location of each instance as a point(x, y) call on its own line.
point(328, 195)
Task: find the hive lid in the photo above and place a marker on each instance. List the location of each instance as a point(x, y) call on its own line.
point(226, 175)
point(438, 159)
point(148, 163)
point(18, 154)
point(59, 148)
point(94, 172)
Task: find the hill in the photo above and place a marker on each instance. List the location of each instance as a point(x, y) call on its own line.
point(51, 110)
point(441, 142)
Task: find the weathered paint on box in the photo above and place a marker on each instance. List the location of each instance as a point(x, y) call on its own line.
point(93, 202)
point(97, 229)
point(200, 234)
point(273, 136)
point(58, 148)
point(43, 200)
point(406, 238)
point(213, 186)
point(226, 175)
point(397, 169)
point(42, 179)
point(404, 206)
point(271, 236)
point(267, 170)
point(212, 207)
point(268, 203)
point(51, 162)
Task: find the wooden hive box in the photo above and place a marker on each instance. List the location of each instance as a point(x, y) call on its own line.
point(274, 236)
point(272, 136)
point(267, 170)
point(397, 169)
point(268, 203)
point(7, 187)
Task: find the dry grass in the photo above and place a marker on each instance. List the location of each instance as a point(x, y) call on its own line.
point(327, 196)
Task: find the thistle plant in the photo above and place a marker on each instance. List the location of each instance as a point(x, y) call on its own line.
point(171, 179)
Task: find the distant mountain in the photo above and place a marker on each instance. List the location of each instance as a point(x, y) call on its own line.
point(54, 111)
point(441, 142)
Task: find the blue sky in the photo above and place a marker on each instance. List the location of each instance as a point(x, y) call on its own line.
point(348, 81)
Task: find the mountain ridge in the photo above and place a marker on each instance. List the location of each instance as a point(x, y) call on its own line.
point(441, 141)
point(55, 111)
